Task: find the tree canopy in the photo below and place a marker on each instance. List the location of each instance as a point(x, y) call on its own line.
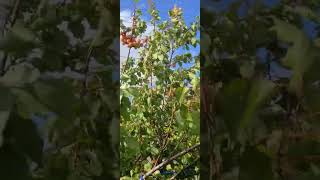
point(160, 98)
point(59, 107)
point(260, 90)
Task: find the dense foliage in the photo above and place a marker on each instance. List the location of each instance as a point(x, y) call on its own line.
point(260, 90)
point(59, 106)
point(160, 98)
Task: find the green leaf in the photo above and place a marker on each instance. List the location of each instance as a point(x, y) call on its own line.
point(255, 165)
point(147, 167)
point(19, 75)
point(259, 91)
point(194, 42)
point(94, 167)
point(58, 96)
point(311, 90)
point(160, 57)
point(231, 104)
point(76, 28)
point(20, 31)
point(105, 26)
point(13, 165)
point(5, 108)
point(205, 43)
point(132, 144)
point(196, 122)
point(304, 148)
point(247, 69)
point(163, 48)
point(155, 56)
point(181, 93)
point(299, 56)
point(25, 136)
point(306, 12)
point(57, 166)
point(125, 104)
point(77, 176)
point(27, 105)
point(182, 116)
point(18, 40)
point(154, 150)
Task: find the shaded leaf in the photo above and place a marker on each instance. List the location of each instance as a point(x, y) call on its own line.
point(255, 165)
point(19, 75)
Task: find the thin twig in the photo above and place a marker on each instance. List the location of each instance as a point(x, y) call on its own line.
point(165, 141)
point(86, 70)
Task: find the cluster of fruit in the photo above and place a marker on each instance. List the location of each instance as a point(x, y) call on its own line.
point(131, 41)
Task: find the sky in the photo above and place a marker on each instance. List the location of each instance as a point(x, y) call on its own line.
point(191, 10)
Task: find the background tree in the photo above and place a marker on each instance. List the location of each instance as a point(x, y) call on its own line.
point(59, 108)
point(260, 89)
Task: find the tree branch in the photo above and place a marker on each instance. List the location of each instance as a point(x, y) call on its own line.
point(170, 159)
point(86, 70)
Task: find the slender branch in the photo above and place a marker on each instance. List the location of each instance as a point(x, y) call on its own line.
point(170, 61)
point(3, 63)
point(165, 141)
point(86, 70)
point(14, 12)
point(126, 63)
point(170, 159)
point(268, 66)
point(280, 170)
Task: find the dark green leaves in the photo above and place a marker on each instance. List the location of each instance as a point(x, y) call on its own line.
point(255, 165)
point(259, 92)
point(240, 102)
point(58, 96)
point(299, 56)
point(266, 61)
point(27, 104)
point(181, 94)
point(19, 40)
point(5, 109)
point(39, 42)
point(20, 75)
point(76, 28)
point(23, 136)
point(232, 104)
point(312, 88)
point(304, 149)
point(13, 164)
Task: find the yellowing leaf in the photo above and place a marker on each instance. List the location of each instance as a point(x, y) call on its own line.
point(299, 56)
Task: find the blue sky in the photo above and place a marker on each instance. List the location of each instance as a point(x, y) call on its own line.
point(191, 10)
point(191, 7)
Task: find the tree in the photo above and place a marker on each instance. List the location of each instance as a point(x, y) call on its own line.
point(160, 105)
point(259, 76)
point(59, 108)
